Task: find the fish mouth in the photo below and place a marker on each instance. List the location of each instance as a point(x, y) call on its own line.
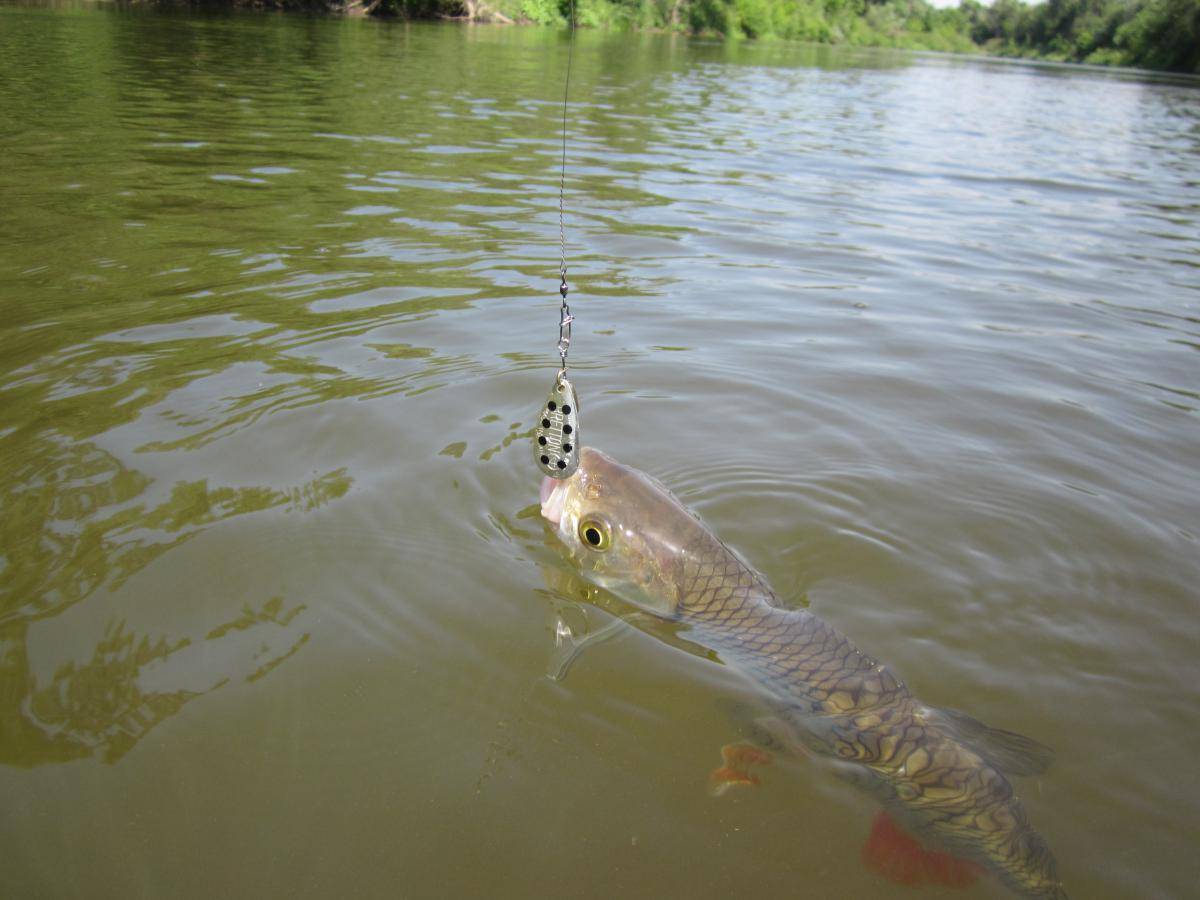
point(553, 496)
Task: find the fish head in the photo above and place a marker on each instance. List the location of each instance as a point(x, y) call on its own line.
point(627, 532)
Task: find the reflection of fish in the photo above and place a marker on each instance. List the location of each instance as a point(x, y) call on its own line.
point(940, 773)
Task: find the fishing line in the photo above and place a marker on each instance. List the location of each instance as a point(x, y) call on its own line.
point(556, 435)
point(562, 179)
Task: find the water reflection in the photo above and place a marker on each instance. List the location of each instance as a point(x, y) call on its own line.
point(77, 521)
point(103, 706)
point(96, 708)
point(72, 523)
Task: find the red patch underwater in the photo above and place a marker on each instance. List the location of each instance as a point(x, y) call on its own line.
point(901, 859)
point(737, 759)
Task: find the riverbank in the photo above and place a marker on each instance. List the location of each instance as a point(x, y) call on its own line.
point(1150, 34)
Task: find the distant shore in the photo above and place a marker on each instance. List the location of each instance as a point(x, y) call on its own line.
point(1159, 35)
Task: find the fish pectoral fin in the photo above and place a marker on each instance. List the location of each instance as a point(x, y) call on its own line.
point(736, 760)
point(568, 647)
point(1007, 751)
point(773, 733)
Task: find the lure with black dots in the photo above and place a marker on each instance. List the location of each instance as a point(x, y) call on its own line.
point(556, 437)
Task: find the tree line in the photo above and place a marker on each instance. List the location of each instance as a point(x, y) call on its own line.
point(1150, 34)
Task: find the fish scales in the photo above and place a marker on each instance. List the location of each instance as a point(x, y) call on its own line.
point(637, 540)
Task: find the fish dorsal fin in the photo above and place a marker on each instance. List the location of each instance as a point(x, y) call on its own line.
point(1005, 750)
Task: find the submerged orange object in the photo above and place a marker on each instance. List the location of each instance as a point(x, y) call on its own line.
point(900, 858)
point(737, 759)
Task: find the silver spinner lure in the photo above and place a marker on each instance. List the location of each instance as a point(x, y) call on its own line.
point(556, 436)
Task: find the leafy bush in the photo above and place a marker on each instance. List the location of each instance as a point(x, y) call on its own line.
point(543, 12)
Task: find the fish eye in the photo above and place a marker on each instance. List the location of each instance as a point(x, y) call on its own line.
point(595, 533)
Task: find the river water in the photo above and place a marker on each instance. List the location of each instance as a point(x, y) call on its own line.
point(917, 335)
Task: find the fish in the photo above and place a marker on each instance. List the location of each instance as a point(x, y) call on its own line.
point(939, 773)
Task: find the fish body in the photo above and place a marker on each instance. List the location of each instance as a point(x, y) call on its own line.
point(940, 773)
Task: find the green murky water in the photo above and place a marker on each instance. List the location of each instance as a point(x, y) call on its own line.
point(917, 335)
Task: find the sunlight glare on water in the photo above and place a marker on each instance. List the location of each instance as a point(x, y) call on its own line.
point(917, 335)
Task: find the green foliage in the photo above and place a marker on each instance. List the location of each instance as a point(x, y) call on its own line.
point(418, 9)
point(543, 12)
point(1163, 34)
point(1153, 34)
point(753, 17)
point(705, 16)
